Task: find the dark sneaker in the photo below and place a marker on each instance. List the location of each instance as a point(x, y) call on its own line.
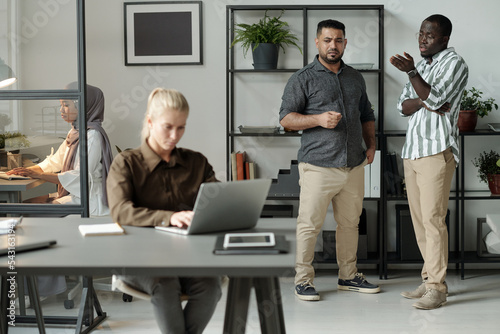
point(306, 291)
point(358, 284)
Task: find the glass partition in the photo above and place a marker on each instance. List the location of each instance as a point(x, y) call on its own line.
point(38, 40)
point(30, 136)
point(40, 45)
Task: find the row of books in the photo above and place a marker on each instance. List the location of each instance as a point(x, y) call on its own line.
point(241, 167)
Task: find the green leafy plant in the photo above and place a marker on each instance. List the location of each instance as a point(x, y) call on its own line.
point(471, 100)
point(13, 140)
point(269, 30)
point(488, 163)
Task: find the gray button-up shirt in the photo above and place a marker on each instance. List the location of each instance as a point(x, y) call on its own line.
point(314, 90)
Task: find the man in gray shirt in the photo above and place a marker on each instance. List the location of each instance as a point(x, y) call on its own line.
point(327, 100)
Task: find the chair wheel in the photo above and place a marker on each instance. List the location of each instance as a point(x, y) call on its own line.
point(69, 304)
point(127, 298)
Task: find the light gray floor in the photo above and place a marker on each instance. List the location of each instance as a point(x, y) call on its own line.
point(473, 307)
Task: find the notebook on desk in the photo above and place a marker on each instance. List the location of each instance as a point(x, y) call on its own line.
point(226, 206)
point(5, 176)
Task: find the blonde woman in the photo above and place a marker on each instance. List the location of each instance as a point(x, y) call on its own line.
point(157, 184)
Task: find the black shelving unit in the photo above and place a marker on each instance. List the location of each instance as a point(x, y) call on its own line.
point(465, 196)
point(231, 72)
point(460, 196)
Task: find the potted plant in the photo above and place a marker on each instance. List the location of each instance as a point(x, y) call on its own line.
point(488, 164)
point(266, 38)
point(471, 106)
point(13, 140)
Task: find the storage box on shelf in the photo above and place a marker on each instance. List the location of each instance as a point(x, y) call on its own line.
point(482, 232)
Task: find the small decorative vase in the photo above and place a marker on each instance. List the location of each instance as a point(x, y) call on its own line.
point(467, 120)
point(494, 183)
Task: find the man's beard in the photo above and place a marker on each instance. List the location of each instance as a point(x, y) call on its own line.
point(334, 60)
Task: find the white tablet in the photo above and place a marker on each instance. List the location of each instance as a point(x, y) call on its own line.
point(234, 240)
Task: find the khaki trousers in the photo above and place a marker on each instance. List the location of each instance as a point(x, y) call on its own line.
point(428, 183)
point(344, 188)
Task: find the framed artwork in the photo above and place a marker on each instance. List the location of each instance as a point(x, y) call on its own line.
point(163, 33)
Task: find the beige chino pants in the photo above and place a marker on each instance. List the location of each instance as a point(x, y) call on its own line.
point(344, 188)
point(428, 184)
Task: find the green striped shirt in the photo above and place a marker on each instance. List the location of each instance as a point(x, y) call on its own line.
point(429, 133)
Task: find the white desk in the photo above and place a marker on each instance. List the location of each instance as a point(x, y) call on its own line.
point(144, 251)
point(11, 189)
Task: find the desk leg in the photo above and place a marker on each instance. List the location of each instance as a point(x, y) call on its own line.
point(35, 302)
point(33, 293)
point(20, 295)
point(88, 302)
point(238, 298)
point(14, 197)
point(270, 305)
point(3, 304)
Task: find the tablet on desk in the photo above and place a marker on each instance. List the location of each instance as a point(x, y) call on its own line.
point(242, 240)
point(281, 246)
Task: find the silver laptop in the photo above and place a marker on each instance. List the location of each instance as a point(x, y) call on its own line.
point(226, 206)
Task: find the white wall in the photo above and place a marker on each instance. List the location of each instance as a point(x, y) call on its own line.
point(126, 87)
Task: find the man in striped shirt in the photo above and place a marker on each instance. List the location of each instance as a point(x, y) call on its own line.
point(431, 100)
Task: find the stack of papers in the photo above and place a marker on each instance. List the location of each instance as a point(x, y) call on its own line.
point(8, 224)
point(101, 229)
point(5, 176)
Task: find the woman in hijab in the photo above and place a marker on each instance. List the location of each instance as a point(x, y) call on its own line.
point(63, 167)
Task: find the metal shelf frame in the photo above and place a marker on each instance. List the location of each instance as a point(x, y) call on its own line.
point(231, 72)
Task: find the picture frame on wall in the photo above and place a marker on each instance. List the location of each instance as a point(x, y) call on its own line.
point(163, 33)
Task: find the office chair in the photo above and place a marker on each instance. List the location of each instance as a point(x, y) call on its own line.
point(120, 285)
point(101, 284)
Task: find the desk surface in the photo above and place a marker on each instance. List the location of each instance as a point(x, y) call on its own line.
point(141, 251)
point(19, 185)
